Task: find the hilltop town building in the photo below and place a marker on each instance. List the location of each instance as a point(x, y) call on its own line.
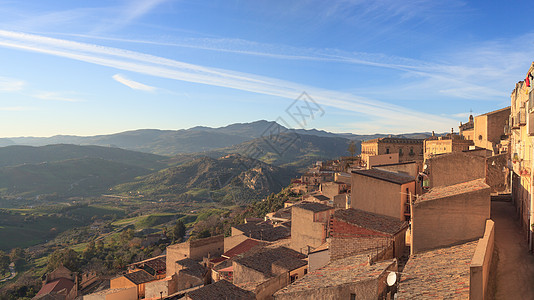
point(309, 225)
point(489, 129)
point(355, 231)
point(383, 192)
point(196, 250)
point(446, 144)
point(408, 149)
point(521, 149)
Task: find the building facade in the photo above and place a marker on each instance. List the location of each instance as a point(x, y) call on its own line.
point(408, 149)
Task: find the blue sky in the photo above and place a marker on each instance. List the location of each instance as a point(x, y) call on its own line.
point(387, 66)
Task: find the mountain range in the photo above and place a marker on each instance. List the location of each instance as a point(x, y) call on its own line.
point(166, 163)
point(196, 139)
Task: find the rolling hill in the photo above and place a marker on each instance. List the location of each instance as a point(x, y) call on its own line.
point(231, 178)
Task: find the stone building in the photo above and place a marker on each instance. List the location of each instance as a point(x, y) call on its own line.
point(136, 279)
point(451, 168)
point(349, 278)
point(489, 129)
point(269, 270)
point(408, 149)
point(309, 226)
point(467, 130)
point(61, 283)
point(446, 144)
point(521, 141)
point(196, 250)
point(355, 231)
point(220, 290)
point(382, 192)
point(450, 215)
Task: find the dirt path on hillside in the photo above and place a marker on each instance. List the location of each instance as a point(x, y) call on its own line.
point(515, 266)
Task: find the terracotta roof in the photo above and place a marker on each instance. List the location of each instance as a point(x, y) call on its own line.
point(394, 140)
point(371, 221)
point(55, 286)
point(451, 190)
point(495, 111)
point(221, 289)
point(290, 263)
point(339, 272)
point(243, 247)
point(192, 267)
point(438, 274)
point(155, 264)
point(139, 277)
point(264, 232)
point(263, 260)
point(313, 206)
point(388, 176)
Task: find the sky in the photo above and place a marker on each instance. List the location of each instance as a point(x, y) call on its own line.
point(383, 66)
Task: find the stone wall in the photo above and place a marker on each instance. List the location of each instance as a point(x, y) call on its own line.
point(449, 220)
point(243, 274)
point(411, 168)
point(454, 168)
point(497, 173)
point(305, 231)
point(196, 250)
point(362, 290)
point(168, 286)
point(481, 264)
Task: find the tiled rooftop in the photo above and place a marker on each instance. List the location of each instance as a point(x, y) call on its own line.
point(192, 267)
point(339, 272)
point(447, 191)
point(264, 232)
point(394, 140)
point(368, 220)
point(221, 290)
point(243, 247)
point(263, 260)
point(139, 277)
point(290, 263)
point(392, 177)
point(313, 206)
point(438, 274)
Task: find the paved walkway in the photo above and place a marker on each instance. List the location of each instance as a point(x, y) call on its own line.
point(515, 267)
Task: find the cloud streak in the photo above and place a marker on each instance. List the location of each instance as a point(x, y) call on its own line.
point(11, 84)
point(390, 116)
point(54, 96)
point(133, 84)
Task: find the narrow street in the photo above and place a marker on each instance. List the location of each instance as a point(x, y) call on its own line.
point(515, 267)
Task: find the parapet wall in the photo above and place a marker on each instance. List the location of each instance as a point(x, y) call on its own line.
point(481, 263)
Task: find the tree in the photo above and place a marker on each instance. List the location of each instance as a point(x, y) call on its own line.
point(178, 231)
point(352, 148)
point(66, 257)
point(4, 262)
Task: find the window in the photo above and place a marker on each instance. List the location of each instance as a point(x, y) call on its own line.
point(352, 296)
point(400, 152)
point(387, 150)
point(480, 137)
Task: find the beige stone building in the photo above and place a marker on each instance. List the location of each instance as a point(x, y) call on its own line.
point(309, 225)
point(446, 144)
point(196, 250)
point(383, 192)
point(453, 168)
point(489, 129)
point(408, 149)
point(521, 152)
point(450, 215)
point(467, 130)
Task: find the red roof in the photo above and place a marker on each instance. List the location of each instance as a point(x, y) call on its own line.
point(55, 286)
point(243, 247)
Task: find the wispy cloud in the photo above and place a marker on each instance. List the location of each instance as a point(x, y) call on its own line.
point(11, 84)
point(133, 84)
point(16, 108)
point(54, 96)
point(390, 116)
point(128, 13)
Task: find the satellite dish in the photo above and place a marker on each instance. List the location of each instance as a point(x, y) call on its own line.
point(392, 278)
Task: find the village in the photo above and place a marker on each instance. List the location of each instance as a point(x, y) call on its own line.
point(407, 219)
